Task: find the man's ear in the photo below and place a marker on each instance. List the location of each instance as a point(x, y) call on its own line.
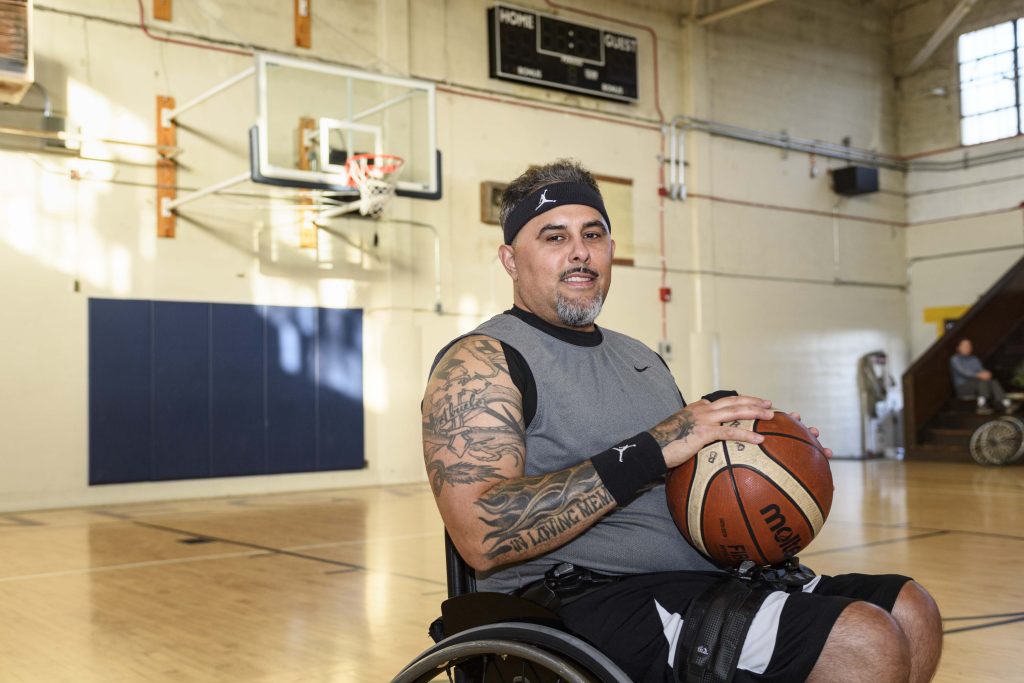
point(613, 249)
point(508, 259)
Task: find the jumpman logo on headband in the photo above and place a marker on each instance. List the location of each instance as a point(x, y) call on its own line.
point(622, 449)
point(544, 200)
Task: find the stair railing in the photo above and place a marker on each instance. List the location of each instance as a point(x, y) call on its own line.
point(927, 384)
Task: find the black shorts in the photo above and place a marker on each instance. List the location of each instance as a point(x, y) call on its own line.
point(637, 622)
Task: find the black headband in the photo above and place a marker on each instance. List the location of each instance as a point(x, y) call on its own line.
point(547, 198)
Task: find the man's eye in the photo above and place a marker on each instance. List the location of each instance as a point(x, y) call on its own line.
point(555, 238)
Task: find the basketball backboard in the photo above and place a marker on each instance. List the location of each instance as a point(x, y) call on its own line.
point(312, 117)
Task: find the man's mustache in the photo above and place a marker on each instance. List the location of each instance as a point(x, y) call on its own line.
point(579, 269)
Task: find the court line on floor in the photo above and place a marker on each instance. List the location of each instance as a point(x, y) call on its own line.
point(246, 544)
point(977, 627)
point(985, 616)
point(364, 541)
point(912, 527)
point(989, 534)
point(20, 522)
point(281, 551)
point(887, 541)
point(127, 565)
point(257, 551)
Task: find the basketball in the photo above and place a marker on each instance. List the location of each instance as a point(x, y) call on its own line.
point(735, 501)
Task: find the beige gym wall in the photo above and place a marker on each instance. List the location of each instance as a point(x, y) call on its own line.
point(966, 225)
point(778, 285)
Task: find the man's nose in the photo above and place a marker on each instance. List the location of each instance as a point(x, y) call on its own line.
point(580, 251)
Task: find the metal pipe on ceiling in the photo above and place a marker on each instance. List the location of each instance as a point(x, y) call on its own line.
point(731, 11)
point(865, 157)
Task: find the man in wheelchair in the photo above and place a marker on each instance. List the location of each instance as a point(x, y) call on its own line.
point(546, 440)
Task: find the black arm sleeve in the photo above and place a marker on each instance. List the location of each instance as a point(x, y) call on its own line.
point(522, 378)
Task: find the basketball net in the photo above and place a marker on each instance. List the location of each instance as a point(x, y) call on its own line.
point(374, 176)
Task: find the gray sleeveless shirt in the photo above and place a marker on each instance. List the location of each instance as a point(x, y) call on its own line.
point(589, 398)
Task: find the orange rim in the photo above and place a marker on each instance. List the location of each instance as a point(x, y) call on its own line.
point(391, 163)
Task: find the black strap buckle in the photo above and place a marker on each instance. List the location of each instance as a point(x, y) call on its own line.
point(562, 584)
point(789, 576)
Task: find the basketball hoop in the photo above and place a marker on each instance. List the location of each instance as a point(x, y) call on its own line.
point(374, 176)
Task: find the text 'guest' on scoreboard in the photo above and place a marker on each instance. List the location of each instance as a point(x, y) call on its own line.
point(531, 47)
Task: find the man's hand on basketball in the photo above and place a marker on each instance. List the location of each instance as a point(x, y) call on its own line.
point(684, 433)
point(813, 430)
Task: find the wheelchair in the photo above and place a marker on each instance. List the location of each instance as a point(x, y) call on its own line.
point(493, 637)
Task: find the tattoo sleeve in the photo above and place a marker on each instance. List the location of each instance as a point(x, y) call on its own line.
point(678, 426)
point(542, 510)
point(473, 435)
point(471, 418)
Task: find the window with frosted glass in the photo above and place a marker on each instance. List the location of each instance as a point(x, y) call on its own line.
point(990, 82)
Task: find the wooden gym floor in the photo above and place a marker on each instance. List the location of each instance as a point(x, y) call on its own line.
point(340, 585)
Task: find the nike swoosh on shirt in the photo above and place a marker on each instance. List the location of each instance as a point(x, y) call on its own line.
point(641, 369)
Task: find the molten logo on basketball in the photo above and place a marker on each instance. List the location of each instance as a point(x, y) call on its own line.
point(766, 501)
point(789, 542)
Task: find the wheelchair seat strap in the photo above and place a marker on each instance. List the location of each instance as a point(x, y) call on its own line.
point(563, 584)
point(714, 628)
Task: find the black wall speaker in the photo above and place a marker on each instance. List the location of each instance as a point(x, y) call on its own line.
point(854, 180)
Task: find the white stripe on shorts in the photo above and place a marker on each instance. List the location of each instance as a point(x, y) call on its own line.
point(810, 585)
point(759, 643)
point(672, 625)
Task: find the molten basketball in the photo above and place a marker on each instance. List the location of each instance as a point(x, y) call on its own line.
point(764, 502)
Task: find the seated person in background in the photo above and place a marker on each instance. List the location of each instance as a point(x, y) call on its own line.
point(971, 379)
point(526, 440)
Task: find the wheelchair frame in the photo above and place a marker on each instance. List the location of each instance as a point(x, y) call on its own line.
point(515, 640)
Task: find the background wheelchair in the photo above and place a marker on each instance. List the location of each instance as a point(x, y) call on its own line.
point(494, 637)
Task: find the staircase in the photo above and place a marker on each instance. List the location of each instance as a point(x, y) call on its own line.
point(948, 434)
point(1006, 360)
point(936, 425)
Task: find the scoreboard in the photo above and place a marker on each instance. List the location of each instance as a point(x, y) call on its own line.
point(532, 47)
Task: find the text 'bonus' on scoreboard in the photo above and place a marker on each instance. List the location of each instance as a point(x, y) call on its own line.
point(531, 47)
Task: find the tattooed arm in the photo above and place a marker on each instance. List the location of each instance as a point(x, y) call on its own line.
point(474, 450)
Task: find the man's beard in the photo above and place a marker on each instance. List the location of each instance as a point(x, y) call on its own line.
point(579, 312)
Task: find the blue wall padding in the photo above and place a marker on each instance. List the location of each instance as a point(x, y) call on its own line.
point(181, 390)
point(340, 339)
point(291, 399)
point(237, 364)
point(192, 390)
point(120, 406)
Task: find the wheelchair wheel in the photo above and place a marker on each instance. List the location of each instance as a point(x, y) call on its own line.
point(998, 442)
point(493, 660)
point(513, 652)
